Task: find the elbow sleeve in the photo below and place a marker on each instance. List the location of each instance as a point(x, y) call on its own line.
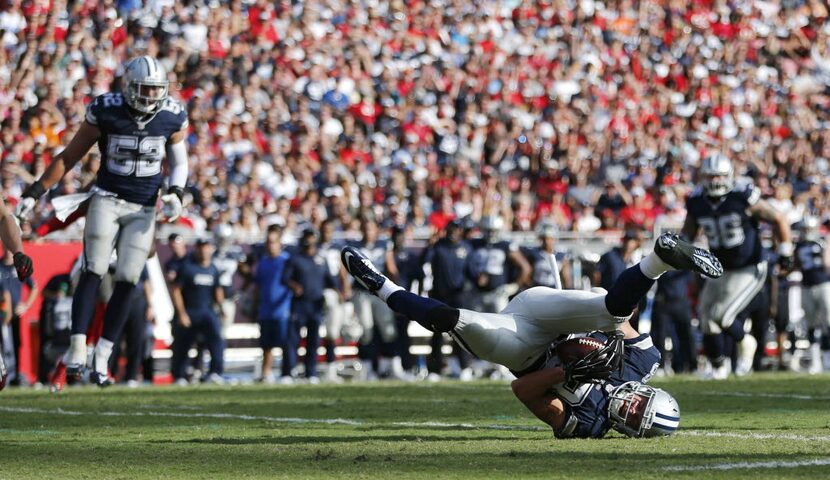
point(177, 156)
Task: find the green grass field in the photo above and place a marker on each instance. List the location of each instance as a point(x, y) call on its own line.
point(777, 426)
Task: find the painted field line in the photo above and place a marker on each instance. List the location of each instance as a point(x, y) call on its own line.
point(361, 423)
point(232, 416)
point(749, 465)
point(788, 396)
point(755, 436)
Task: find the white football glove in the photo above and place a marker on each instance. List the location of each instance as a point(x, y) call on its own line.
point(171, 207)
point(24, 208)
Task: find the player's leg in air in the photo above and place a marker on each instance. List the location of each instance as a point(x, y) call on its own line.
point(521, 334)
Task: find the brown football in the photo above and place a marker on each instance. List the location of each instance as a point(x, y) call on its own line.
point(577, 348)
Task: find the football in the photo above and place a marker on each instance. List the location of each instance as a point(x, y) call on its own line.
point(576, 348)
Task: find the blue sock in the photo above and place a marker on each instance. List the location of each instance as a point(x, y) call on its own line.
point(117, 310)
point(736, 330)
point(629, 288)
point(428, 312)
point(713, 347)
point(83, 302)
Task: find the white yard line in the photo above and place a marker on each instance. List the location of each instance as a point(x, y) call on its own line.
point(756, 436)
point(749, 465)
point(790, 396)
point(232, 416)
point(352, 422)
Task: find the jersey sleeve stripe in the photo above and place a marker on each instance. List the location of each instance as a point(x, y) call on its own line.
point(90, 117)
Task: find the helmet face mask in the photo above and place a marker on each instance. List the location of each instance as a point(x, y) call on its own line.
point(639, 410)
point(718, 175)
point(145, 84)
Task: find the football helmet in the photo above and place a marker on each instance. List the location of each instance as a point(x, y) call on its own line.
point(810, 228)
point(491, 227)
point(145, 84)
point(718, 175)
point(639, 410)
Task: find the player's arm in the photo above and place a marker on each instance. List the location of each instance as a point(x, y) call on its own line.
point(525, 272)
point(7, 308)
point(9, 232)
point(10, 236)
point(178, 303)
point(763, 211)
point(177, 158)
point(533, 390)
point(84, 139)
point(391, 267)
point(690, 228)
point(34, 290)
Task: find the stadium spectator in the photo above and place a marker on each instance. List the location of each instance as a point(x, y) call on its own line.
point(335, 308)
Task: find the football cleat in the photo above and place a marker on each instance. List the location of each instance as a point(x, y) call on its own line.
point(362, 269)
point(682, 255)
point(75, 371)
point(100, 379)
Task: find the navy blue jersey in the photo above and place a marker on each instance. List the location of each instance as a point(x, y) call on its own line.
point(311, 273)
point(410, 266)
point(227, 261)
point(810, 258)
point(132, 150)
point(731, 231)
point(331, 252)
point(586, 405)
point(491, 259)
point(673, 286)
point(540, 261)
point(449, 262)
point(610, 266)
point(173, 265)
point(198, 284)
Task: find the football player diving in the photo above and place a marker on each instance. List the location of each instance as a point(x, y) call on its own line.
point(521, 335)
point(10, 236)
point(135, 130)
point(729, 213)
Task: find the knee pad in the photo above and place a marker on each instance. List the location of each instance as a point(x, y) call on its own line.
point(443, 318)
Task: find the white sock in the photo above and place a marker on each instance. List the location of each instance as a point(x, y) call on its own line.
point(652, 266)
point(388, 288)
point(103, 351)
point(77, 350)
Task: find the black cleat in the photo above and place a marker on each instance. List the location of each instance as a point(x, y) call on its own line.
point(75, 371)
point(102, 380)
point(682, 255)
point(361, 269)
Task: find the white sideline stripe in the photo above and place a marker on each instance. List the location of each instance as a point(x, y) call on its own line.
point(346, 421)
point(766, 395)
point(756, 436)
point(748, 465)
point(232, 416)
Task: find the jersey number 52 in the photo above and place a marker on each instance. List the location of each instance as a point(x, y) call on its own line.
point(128, 155)
point(723, 232)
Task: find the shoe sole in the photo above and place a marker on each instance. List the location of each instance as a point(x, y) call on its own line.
point(692, 258)
point(349, 256)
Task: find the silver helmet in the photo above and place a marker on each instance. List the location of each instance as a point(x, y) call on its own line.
point(145, 84)
point(810, 227)
point(640, 410)
point(718, 176)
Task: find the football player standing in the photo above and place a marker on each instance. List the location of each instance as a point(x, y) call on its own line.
point(729, 214)
point(10, 236)
point(135, 130)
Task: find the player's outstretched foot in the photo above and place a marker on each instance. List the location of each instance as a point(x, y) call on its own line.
point(362, 269)
point(682, 255)
point(75, 371)
point(100, 379)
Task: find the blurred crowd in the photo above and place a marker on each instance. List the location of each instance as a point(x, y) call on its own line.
point(549, 115)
